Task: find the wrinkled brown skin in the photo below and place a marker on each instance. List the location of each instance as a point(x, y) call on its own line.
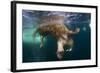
point(60, 32)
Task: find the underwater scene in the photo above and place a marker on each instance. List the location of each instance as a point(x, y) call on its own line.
point(33, 52)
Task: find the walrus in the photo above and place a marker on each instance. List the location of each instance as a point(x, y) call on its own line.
point(60, 32)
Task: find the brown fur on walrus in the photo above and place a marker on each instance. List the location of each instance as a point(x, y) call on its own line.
point(60, 32)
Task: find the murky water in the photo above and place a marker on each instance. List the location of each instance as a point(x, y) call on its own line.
point(31, 46)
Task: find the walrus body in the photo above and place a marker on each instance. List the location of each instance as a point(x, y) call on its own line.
point(56, 30)
point(60, 32)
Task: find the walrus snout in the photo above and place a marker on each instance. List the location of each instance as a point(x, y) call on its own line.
point(60, 54)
